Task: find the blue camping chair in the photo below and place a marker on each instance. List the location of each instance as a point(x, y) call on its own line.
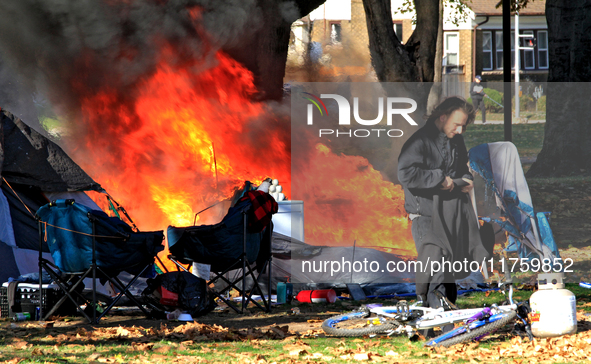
point(511, 206)
point(86, 243)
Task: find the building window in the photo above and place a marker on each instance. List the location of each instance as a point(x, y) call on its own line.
point(487, 62)
point(499, 49)
point(542, 49)
point(451, 48)
point(335, 32)
point(528, 54)
point(398, 31)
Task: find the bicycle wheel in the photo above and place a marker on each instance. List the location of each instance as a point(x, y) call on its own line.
point(504, 318)
point(356, 324)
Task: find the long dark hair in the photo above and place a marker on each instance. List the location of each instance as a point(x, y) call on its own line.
point(451, 104)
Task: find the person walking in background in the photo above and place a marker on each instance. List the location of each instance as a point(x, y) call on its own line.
point(477, 94)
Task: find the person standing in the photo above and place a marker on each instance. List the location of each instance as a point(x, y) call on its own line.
point(433, 170)
point(477, 94)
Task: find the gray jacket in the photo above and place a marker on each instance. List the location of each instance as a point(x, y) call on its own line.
point(427, 157)
point(424, 162)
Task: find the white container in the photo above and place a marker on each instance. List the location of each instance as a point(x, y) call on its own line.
point(185, 317)
point(553, 308)
point(289, 219)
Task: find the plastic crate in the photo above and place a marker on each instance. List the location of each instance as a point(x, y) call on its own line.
point(29, 298)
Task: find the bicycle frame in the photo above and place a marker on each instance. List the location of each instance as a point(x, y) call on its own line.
point(432, 318)
point(404, 318)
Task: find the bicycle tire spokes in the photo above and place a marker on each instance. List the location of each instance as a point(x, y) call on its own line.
point(359, 324)
point(474, 331)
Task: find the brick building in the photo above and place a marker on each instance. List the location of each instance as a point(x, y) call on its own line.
point(472, 40)
point(489, 46)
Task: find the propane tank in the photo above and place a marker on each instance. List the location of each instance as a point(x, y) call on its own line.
point(553, 308)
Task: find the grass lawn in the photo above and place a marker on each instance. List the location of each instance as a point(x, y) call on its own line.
point(528, 138)
point(530, 115)
point(197, 343)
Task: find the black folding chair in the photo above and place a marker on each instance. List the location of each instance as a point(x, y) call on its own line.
point(86, 243)
point(230, 249)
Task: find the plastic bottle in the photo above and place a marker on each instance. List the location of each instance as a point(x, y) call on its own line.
point(553, 308)
point(281, 292)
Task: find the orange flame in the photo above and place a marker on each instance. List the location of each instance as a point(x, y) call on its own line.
point(180, 140)
point(183, 143)
point(347, 201)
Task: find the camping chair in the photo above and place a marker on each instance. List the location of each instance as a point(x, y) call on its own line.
point(528, 231)
point(228, 247)
point(86, 243)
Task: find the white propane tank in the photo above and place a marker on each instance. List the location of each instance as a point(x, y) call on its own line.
point(553, 308)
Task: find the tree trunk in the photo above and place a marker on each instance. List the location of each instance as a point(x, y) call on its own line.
point(265, 52)
point(425, 36)
point(567, 150)
point(411, 62)
point(437, 89)
point(390, 60)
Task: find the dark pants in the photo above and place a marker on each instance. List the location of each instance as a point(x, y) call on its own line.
point(427, 282)
point(479, 103)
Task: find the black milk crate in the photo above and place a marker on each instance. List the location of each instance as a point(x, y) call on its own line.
point(29, 298)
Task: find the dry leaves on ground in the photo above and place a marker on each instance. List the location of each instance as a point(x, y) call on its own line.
point(566, 348)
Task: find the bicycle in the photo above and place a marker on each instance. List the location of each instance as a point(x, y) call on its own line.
point(404, 318)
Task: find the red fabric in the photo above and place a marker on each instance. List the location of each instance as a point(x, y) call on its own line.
point(263, 208)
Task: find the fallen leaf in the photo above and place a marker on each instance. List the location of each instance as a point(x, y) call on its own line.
point(361, 356)
point(298, 352)
point(163, 349)
point(21, 345)
point(94, 356)
point(14, 360)
point(121, 331)
point(142, 347)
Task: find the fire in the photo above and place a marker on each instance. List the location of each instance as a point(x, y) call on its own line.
point(187, 135)
point(173, 204)
point(348, 202)
point(182, 143)
point(179, 140)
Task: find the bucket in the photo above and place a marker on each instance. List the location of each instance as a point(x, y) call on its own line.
point(317, 296)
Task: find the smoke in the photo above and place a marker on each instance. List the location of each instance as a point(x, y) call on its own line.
point(156, 112)
point(58, 45)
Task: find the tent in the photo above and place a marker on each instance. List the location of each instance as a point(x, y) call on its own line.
point(293, 259)
point(33, 172)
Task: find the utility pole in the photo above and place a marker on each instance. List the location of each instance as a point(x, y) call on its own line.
point(518, 48)
point(507, 68)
